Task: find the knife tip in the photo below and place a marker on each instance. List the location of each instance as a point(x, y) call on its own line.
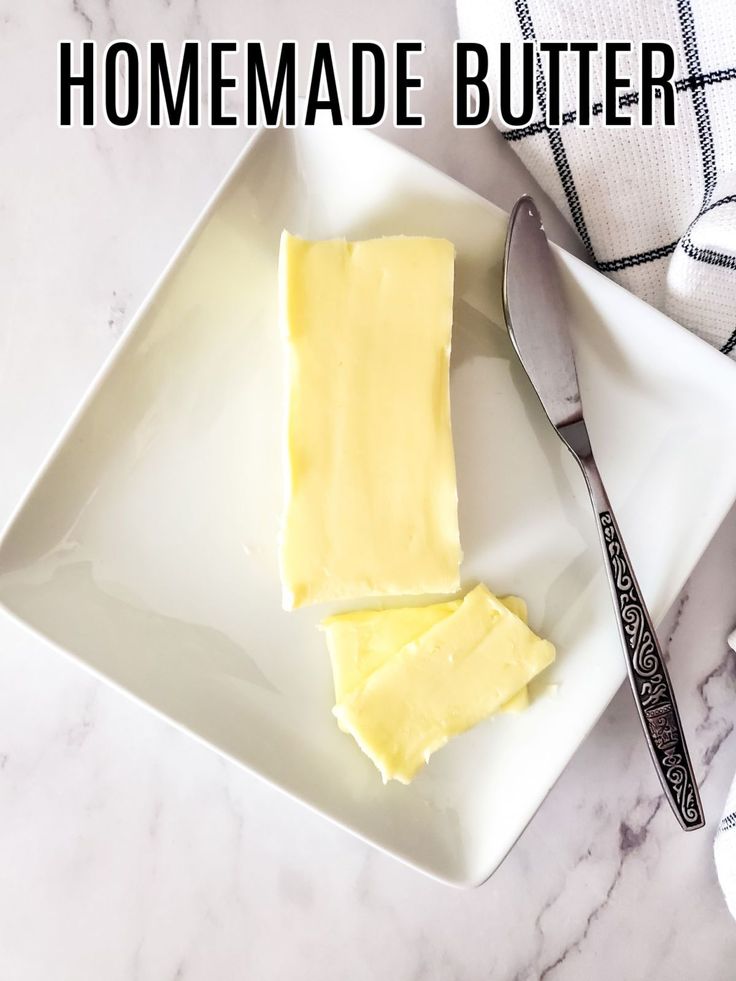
point(526, 207)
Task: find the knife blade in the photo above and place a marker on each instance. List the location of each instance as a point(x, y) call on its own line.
point(537, 318)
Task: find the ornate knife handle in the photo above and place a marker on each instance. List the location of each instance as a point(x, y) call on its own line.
point(650, 682)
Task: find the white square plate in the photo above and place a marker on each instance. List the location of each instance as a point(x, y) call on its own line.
point(147, 546)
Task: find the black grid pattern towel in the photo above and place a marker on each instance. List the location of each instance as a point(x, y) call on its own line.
point(655, 207)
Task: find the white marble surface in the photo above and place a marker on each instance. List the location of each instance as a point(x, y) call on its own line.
point(128, 851)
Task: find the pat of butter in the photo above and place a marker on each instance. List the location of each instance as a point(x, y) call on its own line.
point(371, 497)
point(359, 643)
point(442, 683)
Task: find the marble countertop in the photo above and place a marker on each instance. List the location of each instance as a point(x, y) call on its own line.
point(130, 852)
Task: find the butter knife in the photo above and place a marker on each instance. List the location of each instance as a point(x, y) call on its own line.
point(536, 316)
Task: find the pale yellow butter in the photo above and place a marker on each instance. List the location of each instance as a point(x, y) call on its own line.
point(371, 498)
point(360, 642)
point(452, 676)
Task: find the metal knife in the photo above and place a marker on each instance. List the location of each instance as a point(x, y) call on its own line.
point(536, 317)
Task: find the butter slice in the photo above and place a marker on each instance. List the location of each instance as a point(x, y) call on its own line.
point(359, 643)
point(454, 675)
point(520, 701)
point(371, 497)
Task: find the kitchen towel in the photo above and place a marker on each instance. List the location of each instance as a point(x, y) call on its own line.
point(654, 206)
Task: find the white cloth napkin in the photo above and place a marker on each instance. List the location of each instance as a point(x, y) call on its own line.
point(655, 207)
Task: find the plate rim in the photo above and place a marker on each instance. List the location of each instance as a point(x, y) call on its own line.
point(578, 266)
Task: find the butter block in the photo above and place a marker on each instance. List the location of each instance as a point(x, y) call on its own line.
point(520, 701)
point(517, 704)
point(371, 497)
point(442, 683)
point(360, 642)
